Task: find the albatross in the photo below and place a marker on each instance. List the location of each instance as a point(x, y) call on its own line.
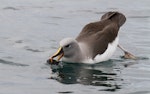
point(96, 42)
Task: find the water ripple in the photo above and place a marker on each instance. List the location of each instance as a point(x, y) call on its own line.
point(66, 92)
point(68, 73)
point(10, 8)
point(11, 63)
point(139, 17)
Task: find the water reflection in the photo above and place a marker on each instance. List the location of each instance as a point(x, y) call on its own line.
point(102, 74)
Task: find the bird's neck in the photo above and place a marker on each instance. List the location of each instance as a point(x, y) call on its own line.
point(85, 52)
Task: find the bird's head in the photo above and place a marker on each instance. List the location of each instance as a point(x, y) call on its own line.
point(68, 48)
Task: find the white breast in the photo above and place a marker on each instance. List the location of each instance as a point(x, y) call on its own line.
point(106, 55)
point(109, 51)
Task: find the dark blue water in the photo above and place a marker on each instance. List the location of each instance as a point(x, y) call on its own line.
point(30, 31)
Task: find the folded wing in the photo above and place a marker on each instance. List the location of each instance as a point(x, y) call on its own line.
point(98, 35)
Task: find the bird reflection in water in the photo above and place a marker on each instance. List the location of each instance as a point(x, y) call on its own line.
point(101, 74)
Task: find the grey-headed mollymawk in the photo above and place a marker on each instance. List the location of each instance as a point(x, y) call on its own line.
point(96, 42)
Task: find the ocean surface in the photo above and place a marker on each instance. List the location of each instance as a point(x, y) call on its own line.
point(30, 31)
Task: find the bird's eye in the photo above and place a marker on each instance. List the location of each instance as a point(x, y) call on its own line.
point(67, 46)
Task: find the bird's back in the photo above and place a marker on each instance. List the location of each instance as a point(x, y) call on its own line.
point(97, 35)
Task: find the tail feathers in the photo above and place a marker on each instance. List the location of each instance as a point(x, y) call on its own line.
point(117, 17)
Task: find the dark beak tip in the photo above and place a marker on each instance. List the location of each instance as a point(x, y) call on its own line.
point(48, 61)
point(54, 62)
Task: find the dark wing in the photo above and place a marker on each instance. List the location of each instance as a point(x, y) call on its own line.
point(100, 41)
point(116, 17)
point(97, 35)
point(107, 19)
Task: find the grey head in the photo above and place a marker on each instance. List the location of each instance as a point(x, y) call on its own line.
point(69, 51)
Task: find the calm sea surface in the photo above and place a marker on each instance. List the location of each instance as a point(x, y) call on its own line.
point(30, 31)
